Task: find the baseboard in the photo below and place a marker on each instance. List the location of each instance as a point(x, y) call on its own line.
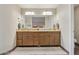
point(5, 53)
point(65, 50)
point(49, 45)
point(39, 46)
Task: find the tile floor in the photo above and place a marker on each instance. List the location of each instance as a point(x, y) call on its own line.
point(38, 51)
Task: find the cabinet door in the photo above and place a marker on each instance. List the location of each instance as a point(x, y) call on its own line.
point(52, 39)
point(44, 38)
point(36, 38)
point(27, 39)
point(19, 38)
point(19, 35)
point(41, 41)
point(19, 43)
point(57, 38)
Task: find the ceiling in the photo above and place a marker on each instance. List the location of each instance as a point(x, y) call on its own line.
point(38, 5)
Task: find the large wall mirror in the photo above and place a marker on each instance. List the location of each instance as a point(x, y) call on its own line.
point(39, 22)
point(38, 18)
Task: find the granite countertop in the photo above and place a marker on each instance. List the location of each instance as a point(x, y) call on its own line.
point(51, 30)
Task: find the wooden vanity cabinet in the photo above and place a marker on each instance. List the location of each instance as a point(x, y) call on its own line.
point(40, 38)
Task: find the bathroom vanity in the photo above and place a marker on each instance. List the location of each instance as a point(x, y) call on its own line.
point(38, 38)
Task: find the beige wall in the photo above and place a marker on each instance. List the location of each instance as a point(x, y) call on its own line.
point(76, 23)
point(8, 23)
point(64, 18)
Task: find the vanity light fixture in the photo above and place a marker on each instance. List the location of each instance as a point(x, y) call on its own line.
point(47, 13)
point(29, 13)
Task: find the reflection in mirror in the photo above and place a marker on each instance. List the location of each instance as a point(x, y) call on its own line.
point(38, 22)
